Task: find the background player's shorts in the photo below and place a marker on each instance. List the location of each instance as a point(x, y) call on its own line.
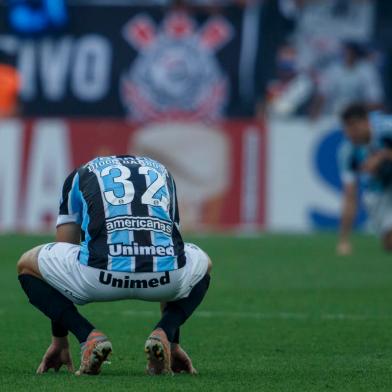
point(59, 266)
point(379, 207)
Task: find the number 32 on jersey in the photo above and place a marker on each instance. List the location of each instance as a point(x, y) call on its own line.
point(128, 189)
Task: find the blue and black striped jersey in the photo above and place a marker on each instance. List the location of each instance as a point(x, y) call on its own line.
point(128, 213)
point(352, 157)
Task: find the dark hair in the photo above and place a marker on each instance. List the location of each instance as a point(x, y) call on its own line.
point(355, 111)
point(5, 58)
point(358, 49)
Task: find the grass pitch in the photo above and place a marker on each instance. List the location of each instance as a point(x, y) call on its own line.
point(283, 314)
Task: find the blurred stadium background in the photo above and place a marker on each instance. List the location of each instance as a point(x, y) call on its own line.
point(240, 100)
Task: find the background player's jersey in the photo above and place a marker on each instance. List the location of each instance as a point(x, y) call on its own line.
point(127, 209)
point(352, 157)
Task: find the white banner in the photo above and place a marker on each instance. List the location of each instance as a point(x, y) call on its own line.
point(304, 189)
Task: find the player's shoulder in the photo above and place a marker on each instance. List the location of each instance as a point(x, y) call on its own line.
point(380, 122)
point(144, 161)
point(98, 163)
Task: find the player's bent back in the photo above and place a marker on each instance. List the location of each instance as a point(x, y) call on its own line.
point(131, 245)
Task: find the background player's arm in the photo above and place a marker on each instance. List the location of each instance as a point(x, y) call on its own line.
point(349, 211)
point(373, 163)
point(384, 153)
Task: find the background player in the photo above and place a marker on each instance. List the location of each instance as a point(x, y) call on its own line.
point(124, 210)
point(367, 163)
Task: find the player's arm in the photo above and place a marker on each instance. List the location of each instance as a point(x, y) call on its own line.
point(68, 232)
point(69, 219)
point(349, 211)
point(374, 162)
point(384, 154)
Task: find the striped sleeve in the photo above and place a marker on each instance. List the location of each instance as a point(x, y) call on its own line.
point(70, 210)
point(345, 157)
point(381, 126)
point(174, 205)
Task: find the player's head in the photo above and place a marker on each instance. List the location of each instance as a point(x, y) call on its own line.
point(356, 123)
point(353, 52)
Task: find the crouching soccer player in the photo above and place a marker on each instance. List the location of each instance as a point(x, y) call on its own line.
point(117, 238)
point(366, 160)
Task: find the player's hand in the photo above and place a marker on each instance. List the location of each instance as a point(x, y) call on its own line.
point(344, 248)
point(56, 355)
point(180, 361)
point(372, 164)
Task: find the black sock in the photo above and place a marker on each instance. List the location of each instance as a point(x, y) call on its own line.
point(76, 323)
point(55, 306)
point(176, 338)
point(170, 322)
point(177, 312)
point(58, 330)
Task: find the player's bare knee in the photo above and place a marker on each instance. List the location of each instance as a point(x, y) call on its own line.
point(28, 262)
point(209, 268)
point(387, 241)
point(388, 245)
point(22, 263)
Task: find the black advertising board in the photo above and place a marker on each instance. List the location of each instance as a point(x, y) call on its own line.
point(141, 62)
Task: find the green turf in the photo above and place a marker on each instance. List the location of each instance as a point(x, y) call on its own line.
point(283, 314)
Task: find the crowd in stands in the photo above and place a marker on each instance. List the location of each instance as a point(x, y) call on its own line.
point(330, 58)
point(317, 55)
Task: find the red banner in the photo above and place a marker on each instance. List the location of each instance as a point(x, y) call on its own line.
point(219, 169)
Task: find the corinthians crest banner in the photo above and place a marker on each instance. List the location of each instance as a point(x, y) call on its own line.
point(145, 63)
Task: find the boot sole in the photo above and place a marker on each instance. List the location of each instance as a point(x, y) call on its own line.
point(155, 353)
point(98, 357)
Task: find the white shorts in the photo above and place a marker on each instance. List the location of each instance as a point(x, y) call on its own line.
point(379, 208)
point(59, 266)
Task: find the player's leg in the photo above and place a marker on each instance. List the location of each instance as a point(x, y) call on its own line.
point(28, 263)
point(177, 335)
point(176, 312)
point(380, 213)
point(176, 339)
point(61, 311)
point(49, 300)
point(179, 359)
point(58, 352)
point(387, 241)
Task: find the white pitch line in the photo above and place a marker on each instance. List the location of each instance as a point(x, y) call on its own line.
point(267, 316)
